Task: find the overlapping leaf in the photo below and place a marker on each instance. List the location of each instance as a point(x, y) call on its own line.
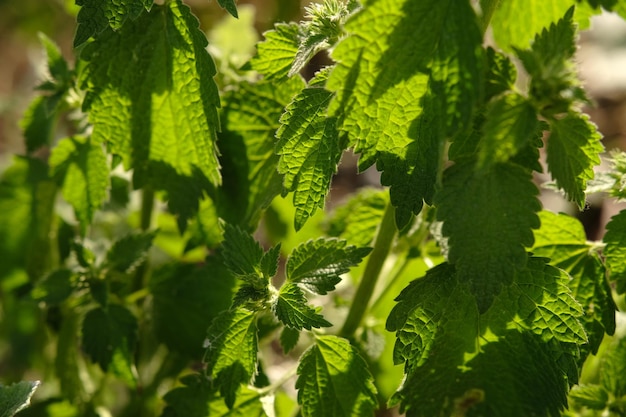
point(276, 53)
point(151, 97)
point(232, 351)
point(318, 264)
point(486, 241)
point(81, 165)
point(128, 252)
point(250, 120)
point(333, 380)
point(309, 148)
point(573, 150)
point(615, 251)
point(291, 308)
point(97, 15)
point(381, 89)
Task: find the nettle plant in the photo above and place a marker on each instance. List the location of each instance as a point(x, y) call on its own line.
point(169, 255)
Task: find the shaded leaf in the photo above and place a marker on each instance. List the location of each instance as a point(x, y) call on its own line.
point(291, 308)
point(289, 339)
point(129, 252)
point(54, 288)
point(15, 397)
point(615, 250)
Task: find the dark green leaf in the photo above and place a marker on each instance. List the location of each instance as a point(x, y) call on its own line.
point(15, 397)
point(230, 6)
point(501, 74)
point(318, 264)
point(129, 252)
point(232, 351)
point(269, 261)
point(276, 53)
point(55, 287)
point(242, 254)
point(289, 339)
point(615, 250)
point(291, 308)
point(333, 380)
point(81, 165)
point(37, 124)
point(110, 334)
point(309, 148)
point(486, 242)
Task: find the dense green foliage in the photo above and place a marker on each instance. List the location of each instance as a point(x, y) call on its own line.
point(169, 255)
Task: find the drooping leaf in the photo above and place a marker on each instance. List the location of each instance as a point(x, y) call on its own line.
point(515, 22)
point(573, 150)
point(229, 6)
point(291, 308)
point(318, 264)
point(562, 239)
point(16, 397)
point(381, 89)
point(289, 339)
point(186, 298)
point(81, 166)
point(232, 352)
point(357, 220)
point(250, 120)
point(97, 15)
point(110, 334)
point(309, 148)
point(486, 242)
point(151, 98)
point(37, 124)
point(276, 53)
point(511, 123)
point(128, 252)
point(333, 380)
point(615, 250)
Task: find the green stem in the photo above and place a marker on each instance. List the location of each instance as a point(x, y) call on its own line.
point(488, 8)
point(147, 206)
point(382, 245)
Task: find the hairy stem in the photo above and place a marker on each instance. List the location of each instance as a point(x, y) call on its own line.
point(382, 245)
point(488, 8)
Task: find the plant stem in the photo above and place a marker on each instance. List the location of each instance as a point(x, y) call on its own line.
point(488, 8)
point(147, 206)
point(382, 245)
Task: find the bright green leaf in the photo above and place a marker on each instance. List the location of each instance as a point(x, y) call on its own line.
point(232, 351)
point(573, 150)
point(333, 380)
point(291, 308)
point(318, 264)
point(152, 98)
point(511, 123)
point(486, 242)
point(250, 120)
point(276, 53)
point(129, 252)
point(309, 148)
point(107, 332)
point(15, 397)
point(591, 396)
point(613, 368)
point(615, 250)
point(81, 165)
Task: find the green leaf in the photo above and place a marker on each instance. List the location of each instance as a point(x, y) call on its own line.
point(129, 252)
point(562, 239)
point(249, 123)
point(269, 261)
point(37, 124)
point(573, 150)
point(515, 22)
point(58, 69)
point(511, 124)
point(151, 96)
point(242, 254)
point(81, 165)
point(276, 53)
point(289, 339)
point(196, 399)
point(318, 264)
point(333, 380)
point(108, 333)
point(291, 308)
point(16, 397)
point(613, 367)
point(54, 288)
point(591, 396)
point(615, 250)
point(501, 74)
point(486, 242)
point(97, 15)
point(185, 299)
point(309, 148)
point(232, 352)
point(229, 6)
point(357, 220)
point(381, 89)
